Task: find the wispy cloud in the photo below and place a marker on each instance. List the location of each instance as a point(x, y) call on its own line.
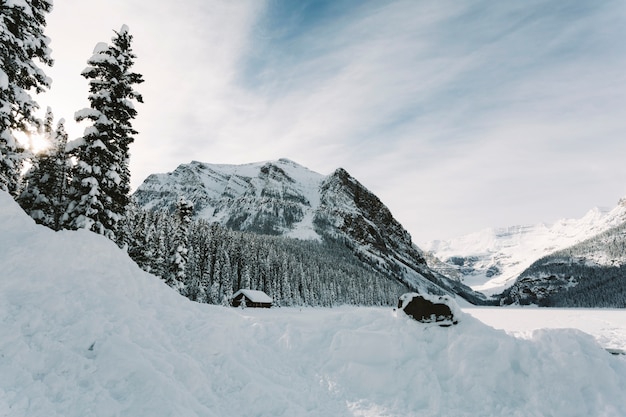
point(460, 115)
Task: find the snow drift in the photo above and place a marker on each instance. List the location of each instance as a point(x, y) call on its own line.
point(84, 332)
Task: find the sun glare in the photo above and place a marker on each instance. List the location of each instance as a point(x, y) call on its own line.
point(34, 142)
point(39, 143)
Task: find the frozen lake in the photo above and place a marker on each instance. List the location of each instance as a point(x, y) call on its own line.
point(608, 326)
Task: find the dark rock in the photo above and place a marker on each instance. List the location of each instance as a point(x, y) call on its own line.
point(427, 308)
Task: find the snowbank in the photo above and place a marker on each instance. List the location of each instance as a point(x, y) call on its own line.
point(84, 332)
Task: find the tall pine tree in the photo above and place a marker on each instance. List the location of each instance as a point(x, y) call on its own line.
point(60, 166)
point(177, 277)
point(101, 178)
point(21, 41)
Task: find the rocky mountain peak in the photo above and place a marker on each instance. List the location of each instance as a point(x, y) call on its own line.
point(282, 198)
point(270, 171)
point(363, 214)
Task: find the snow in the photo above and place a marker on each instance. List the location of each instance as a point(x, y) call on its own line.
point(221, 183)
point(254, 296)
point(17, 3)
point(513, 249)
point(100, 48)
point(4, 80)
point(607, 326)
point(85, 332)
point(87, 113)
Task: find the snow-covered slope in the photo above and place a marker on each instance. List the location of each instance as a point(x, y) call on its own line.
point(286, 199)
point(591, 273)
point(85, 332)
point(491, 260)
point(277, 198)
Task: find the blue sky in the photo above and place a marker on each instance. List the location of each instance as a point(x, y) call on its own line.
point(458, 115)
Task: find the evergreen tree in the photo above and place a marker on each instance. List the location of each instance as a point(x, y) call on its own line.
point(21, 41)
point(100, 187)
point(45, 183)
point(59, 171)
point(177, 277)
point(31, 198)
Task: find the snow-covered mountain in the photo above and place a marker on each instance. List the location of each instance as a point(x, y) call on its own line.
point(491, 260)
point(276, 198)
point(591, 273)
point(285, 199)
point(85, 332)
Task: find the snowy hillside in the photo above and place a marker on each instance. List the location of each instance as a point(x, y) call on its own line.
point(84, 332)
point(491, 260)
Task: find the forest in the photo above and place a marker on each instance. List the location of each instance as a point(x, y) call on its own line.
point(208, 263)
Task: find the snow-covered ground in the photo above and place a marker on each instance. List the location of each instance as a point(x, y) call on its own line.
point(84, 332)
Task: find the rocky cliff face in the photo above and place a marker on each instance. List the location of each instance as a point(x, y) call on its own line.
point(355, 213)
point(283, 198)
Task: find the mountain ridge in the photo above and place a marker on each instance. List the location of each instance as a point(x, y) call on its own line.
point(283, 198)
point(590, 273)
point(490, 260)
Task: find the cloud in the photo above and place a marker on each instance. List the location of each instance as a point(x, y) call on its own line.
point(458, 115)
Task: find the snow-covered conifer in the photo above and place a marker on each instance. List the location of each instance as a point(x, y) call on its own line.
point(45, 183)
point(101, 178)
point(21, 41)
point(178, 261)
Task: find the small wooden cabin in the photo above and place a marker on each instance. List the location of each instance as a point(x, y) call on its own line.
point(251, 298)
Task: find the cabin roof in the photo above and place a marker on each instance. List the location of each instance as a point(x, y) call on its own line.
point(254, 296)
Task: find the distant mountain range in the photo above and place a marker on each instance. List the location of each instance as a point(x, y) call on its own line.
point(540, 263)
point(282, 198)
point(591, 273)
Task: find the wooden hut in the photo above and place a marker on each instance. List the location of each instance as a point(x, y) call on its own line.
point(251, 298)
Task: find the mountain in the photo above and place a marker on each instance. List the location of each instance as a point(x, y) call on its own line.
point(274, 198)
point(85, 332)
point(282, 198)
point(490, 260)
point(591, 273)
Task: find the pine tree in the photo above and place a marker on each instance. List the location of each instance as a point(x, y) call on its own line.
point(31, 198)
point(21, 41)
point(100, 187)
point(45, 183)
point(178, 261)
point(60, 172)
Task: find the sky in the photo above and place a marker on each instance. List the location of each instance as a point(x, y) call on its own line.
point(458, 115)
